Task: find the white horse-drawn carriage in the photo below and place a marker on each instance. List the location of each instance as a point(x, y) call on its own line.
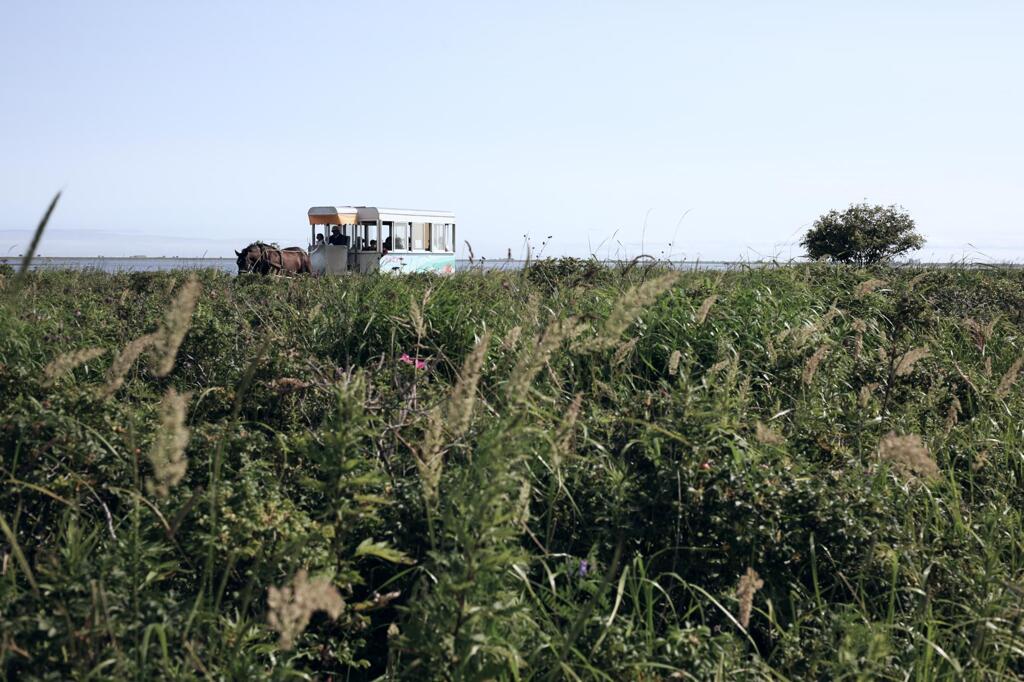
point(367, 239)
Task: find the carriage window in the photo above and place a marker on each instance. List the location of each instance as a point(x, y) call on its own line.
point(401, 236)
point(437, 236)
point(419, 236)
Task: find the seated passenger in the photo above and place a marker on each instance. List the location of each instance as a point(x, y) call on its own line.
point(387, 245)
point(337, 238)
point(319, 240)
point(373, 245)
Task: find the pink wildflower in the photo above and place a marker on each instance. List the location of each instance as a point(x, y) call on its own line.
point(407, 359)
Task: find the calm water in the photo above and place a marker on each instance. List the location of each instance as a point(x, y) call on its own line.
point(228, 264)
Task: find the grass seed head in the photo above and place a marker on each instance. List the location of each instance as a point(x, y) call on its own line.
point(629, 307)
point(124, 361)
point(430, 456)
point(905, 364)
point(167, 455)
point(463, 396)
point(177, 321)
point(750, 583)
point(66, 362)
point(705, 308)
point(908, 455)
point(767, 435)
point(953, 414)
point(1010, 378)
point(290, 607)
point(532, 360)
point(673, 363)
point(811, 367)
point(867, 286)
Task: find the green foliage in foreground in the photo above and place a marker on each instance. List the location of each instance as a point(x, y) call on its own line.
point(571, 486)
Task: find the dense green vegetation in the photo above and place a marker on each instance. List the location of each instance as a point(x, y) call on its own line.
point(566, 473)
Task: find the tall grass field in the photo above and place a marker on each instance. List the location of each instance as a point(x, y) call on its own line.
point(572, 472)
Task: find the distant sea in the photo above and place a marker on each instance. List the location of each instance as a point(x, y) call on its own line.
point(145, 264)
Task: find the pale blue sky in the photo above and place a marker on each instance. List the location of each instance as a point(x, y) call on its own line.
point(186, 128)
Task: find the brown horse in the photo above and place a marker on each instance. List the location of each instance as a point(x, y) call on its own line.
point(267, 259)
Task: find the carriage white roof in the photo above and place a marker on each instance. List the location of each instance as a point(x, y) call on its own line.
point(332, 215)
point(404, 215)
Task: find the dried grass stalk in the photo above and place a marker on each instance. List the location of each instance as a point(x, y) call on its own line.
point(767, 435)
point(673, 363)
point(1010, 378)
point(176, 324)
point(564, 435)
point(66, 362)
point(981, 333)
point(811, 367)
point(463, 396)
point(625, 349)
point(430, 456)
point(953, 414)
point(419, 324)
point(908, 455)
point(750, 583)
point(167, 455)
point(124, 361)
point(705, 308)
point(867, 286)
point(866, 391)
point(628, 308)
point(532, 360)
point(512, 338)
point(290, 607)
point(521, 516)
point(905, 364)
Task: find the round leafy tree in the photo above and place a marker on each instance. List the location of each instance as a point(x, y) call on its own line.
point(862, 234)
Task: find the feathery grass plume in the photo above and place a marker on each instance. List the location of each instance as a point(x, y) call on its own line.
point(750, 583)
point(860, 327)
point(673, 363)
point(285, 385)
point(463, 396)
point(176, 324)
point(905, 364)
point(167, 455)
point(290, 607)
point(981, 333)
point(521, 514)
point(866, 391)
point(953, 414)
point(767, 435)
point(629, 307)
point(811, 367)
point(430, 456)
point(623, 350)
point(980, 460)
point(511, 338)
point(714, 369)
point(867, 286)
point(705, 308)
point(419, 324)
point(987, 367)
point(124, 361)
point(1010, 378)
point(532, 360)
point(908, 455)
point(66, 362)
point(564, 435)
